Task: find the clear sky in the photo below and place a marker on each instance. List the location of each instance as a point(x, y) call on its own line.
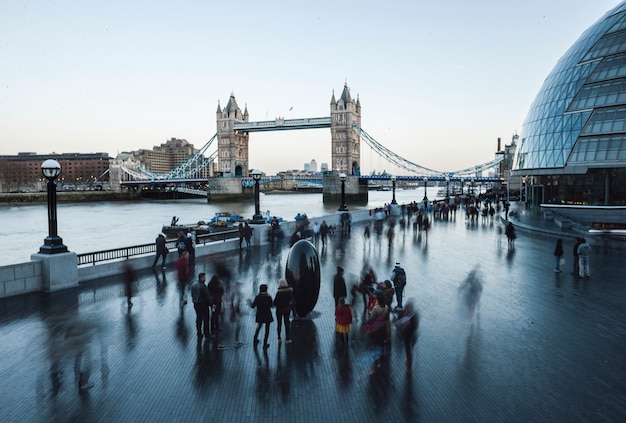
point(438, 81)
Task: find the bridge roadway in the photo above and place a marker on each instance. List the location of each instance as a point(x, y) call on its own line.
point(543, 346)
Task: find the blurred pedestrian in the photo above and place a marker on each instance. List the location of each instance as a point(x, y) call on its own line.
point(343, 317)
point(378, 328)
point(235, 311)
point(247, 233)
point(324, 229)
point(263, 304)
point(240, 234)
point(407, 324)
point(190, 245)
point(182, 271)
point(575, 254)
point(558, 254)
point(339, 286)
point(510, 234)
point(584, 252)
point(216, 290)
point(161, 251)
point(316, 232)
point(469, 293)
point(129, 280)
point(282, 301)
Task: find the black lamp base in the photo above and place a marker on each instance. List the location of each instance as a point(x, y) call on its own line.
point(53, 245)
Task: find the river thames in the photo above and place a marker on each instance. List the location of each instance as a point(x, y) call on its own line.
point(88, 227)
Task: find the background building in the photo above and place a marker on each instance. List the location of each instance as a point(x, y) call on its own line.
point(572, 147)
point(165, 157)
point(22, 173)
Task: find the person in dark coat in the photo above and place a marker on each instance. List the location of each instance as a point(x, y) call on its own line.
point(161, 251)
point(129, 280)
point(216, 290)
point(240, 234)
point(263, 304)
point(578, 242)
point(324, 229)
point(282, 301)
point(201, 303)
point(558, 253)
point(247, 233)
point(339, 286)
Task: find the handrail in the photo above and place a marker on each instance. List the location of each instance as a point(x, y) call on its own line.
point(136, 250)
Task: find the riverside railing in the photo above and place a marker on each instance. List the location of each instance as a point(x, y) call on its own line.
point(137, 250)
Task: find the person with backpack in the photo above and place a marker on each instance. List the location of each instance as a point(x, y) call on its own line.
point(398, 277)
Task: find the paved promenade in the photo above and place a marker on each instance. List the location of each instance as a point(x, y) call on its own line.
point(542, 346)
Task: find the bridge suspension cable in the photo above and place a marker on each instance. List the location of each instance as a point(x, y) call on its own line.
point(421, 170)
point(394, 158)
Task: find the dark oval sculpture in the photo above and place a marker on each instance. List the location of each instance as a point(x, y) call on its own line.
point(302, 272)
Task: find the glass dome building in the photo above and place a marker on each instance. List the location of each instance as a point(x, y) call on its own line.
point(572, 147)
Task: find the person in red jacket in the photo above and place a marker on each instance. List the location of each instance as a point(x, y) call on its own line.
point(343, 316)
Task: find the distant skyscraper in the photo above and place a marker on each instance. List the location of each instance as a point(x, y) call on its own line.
point(324, 167)
point(313, 166)
point(307, 167)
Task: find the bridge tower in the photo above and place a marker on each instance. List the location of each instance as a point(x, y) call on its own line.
point(345, 114)
point(232, 146)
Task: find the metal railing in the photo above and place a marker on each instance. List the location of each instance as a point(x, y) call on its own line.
point(137, 250)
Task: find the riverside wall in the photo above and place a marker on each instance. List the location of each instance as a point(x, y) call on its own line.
point(23, 278)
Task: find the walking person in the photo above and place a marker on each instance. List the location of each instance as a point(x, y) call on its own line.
point(324, 232)
point(378, 327)
point(241, 231)
point(407, 325)
point(343, 317)
point(339, 286)
point(235, 311)
point(282, 301)
point(190, 245)
point(316, 232)
point(584, 251)
point(216, 290)
point(510, 234)
point(398, 277)
point(182, 271)
point(201, 303)
point(247, 234)
point(129, 280)
point(263, 304)
point(161, 251)
point(558, 254)
point(575, 253)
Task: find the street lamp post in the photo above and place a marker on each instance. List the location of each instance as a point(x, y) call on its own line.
point(447, 186)
point(53, 244)
point(393, 185)
point(425, 195)
point(343, 207)
point(472, 187)
point(256, 176)
point(462, 185)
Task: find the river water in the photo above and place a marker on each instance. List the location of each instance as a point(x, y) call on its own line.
point(87, 227)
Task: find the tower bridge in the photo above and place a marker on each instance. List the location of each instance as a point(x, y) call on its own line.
point(231, 178)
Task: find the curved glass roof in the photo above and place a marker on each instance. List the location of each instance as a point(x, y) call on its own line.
point(578, 119)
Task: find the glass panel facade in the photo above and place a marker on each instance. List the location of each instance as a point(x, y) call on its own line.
point(577, 122)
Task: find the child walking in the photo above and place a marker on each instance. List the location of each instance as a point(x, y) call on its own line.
point(343, 316)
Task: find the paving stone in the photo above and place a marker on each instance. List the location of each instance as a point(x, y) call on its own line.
point(540, 347)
